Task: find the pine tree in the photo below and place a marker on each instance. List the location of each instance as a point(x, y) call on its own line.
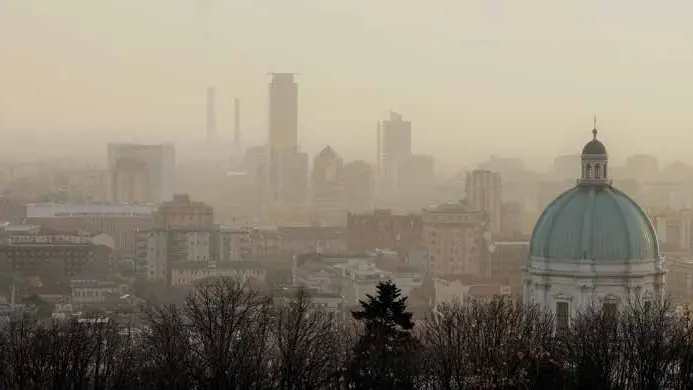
point(385, 354)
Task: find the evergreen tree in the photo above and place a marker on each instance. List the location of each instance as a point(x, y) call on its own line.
point(384, 356)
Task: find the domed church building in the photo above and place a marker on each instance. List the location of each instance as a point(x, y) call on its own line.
point(593, 245)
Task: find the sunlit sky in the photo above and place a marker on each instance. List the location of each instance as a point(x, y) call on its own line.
point(516, 78)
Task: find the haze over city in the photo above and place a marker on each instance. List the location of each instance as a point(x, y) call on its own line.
point(475, 78)
point(370, 195)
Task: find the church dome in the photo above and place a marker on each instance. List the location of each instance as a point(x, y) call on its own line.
point(596, 223)
point(594, 220)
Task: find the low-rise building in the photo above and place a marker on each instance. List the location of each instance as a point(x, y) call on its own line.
point(55, 255)
point(353, 277)
point(119, 221)
point(95, 292)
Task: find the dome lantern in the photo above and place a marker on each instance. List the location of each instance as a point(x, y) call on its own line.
point(594, 162)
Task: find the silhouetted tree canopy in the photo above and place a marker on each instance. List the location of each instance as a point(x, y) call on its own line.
point(227, 336)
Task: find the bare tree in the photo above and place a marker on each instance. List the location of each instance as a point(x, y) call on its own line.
point(166, 346)
point(305, 345)
point(595, 350)
point(650, 341)
point(66, 355)
point(490, 344)
point(228, 331)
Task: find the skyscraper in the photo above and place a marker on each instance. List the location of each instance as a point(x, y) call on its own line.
point(396, 149)
point(484, 193)
point(288, 170)
point(283, 112)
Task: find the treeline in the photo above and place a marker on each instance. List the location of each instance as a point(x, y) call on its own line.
point(227, 337)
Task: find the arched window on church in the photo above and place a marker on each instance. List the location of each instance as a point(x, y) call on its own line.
point(596, 171)
point(605, 176)
point(589, 171)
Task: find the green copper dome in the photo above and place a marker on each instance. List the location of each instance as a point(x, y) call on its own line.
point(596, 222)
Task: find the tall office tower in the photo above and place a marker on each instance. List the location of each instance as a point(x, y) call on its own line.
point(288, 168)
point(211, 115)
point(283, 112)
point(329, 203)
point(395, 150)
point(141, 173)
point(484, 193)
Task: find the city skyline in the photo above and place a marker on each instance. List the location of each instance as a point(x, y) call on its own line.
point(545, 85)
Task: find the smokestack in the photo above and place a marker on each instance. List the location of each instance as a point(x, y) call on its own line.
point(211, 115)
point(237, 125)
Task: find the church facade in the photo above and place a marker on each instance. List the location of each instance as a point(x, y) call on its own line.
point(593, 245)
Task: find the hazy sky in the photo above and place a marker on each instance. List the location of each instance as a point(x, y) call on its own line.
point(477, 77)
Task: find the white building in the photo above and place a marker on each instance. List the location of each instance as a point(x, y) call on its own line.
point(593, 245)
point(159, 249)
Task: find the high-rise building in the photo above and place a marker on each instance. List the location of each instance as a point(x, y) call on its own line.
point(283, 112)
point(395, 149)
point(141, 173)
point(359, 185)
point(329, 204)
point(484, 193)
point(283, 129)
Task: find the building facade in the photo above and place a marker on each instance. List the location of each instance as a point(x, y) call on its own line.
point(161, 249)
point(484, 192)
point(593, 245)
point(181, 212)
point(381, 229)
point(121, 222)
point(393, 150)
point(456, 239)
point(328, 200)
point(141, 173)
